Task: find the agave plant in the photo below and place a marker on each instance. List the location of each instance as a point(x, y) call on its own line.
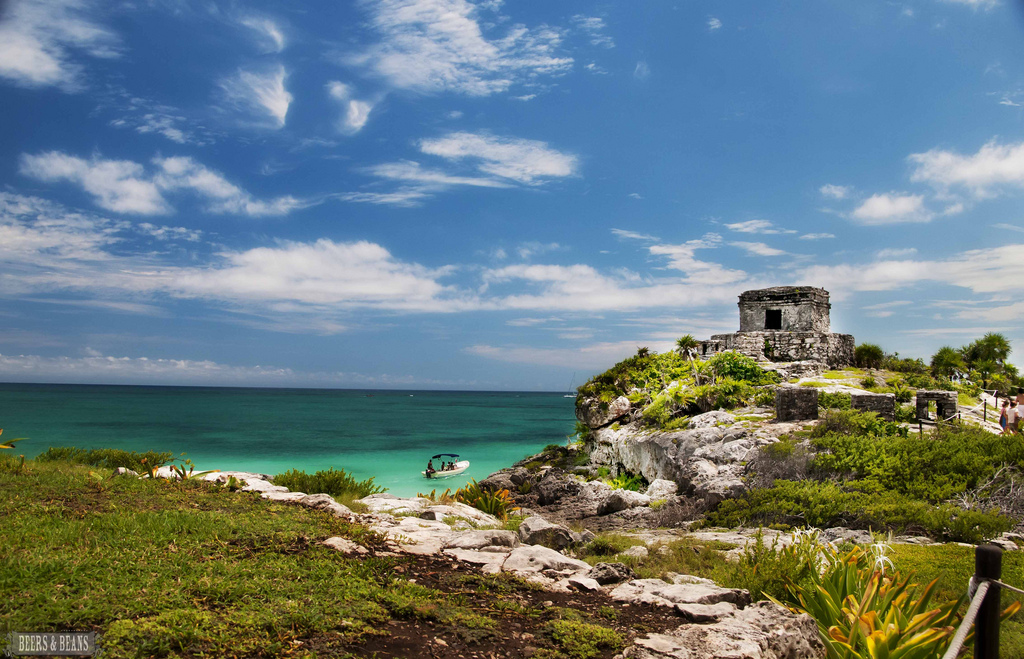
point(9, 443)
point(443, 498)
point(862, 614)
point(186, 471)
point(498, 503)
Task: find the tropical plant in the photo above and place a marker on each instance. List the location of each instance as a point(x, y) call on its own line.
point(863, 613)
point(335, 482)
point(686, 344)
point(631, 482)
point(444, 498)
point(868, 355)
point(643, 351)
point(947, 362)
point(17, 466)
point(9, 443)
point(186, 470)
point(498, 502)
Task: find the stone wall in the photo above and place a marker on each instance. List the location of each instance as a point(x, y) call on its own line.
point(803, 309)
point(835, 350)
point(796, 403)
point(883, 404)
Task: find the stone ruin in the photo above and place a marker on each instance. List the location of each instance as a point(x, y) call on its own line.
point(882, 404)
point(945, 405)
point(796, 403)
point(785, 324)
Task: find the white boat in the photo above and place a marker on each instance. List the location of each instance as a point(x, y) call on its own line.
point(459, 466)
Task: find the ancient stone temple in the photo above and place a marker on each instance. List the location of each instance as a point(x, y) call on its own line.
point(785, 324)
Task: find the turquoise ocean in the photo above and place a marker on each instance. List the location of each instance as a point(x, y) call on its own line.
point(389, 435)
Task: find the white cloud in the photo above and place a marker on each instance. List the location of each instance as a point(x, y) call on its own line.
point(892, 208)
point(992, 168)
point(260, 93)
point(682, 257)
point(534, 248)
point(116, 185)
point(441, 45)
point(320, 273)
point(817, 236)
point(38, 39)
point(835, 191)
point(521, 160)
point(641, 71)
point(895, 252)
point(714, 24)
point(975, 4)
point(355, 112)
point(592, 357)
point(593, 67)
point(429, 179)
point(758, 249)
point(633, 235)
point(270, 34)
point(594, 27)
point(403, 197)
point(757, 226)
point(123, 186)
point(1008, 227)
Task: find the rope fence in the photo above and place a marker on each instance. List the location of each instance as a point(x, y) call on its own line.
point(983, 612)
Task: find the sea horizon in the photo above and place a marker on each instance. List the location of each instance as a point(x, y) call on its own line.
point(386, 434)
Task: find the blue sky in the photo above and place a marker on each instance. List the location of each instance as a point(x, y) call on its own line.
point(448, 194)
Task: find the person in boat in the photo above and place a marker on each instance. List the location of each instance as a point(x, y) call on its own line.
point(430, 466)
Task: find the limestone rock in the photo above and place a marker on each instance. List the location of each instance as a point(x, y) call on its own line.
point(345, 546)
point(283, 496)
point(705, 613)
point(538, 531)
point(608, 573)
point(761, 631)
point(414, 535)
point(326, 502)
point(622, 500)
point(657, 592)
point(532, 559)
point(125, 471)
point(260, 485)
point(490, 562)
point(555, 486)
point(841, 534)
point(711, 419)
point(661, 488)
point(596, 414)
point(638, 552)
point(483, 539)
point(585, 584)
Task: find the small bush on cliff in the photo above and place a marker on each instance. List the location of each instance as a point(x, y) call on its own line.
point(836, 401)
point(826, 504)
point(106, 457)
point(742, 368)
point(335, 482)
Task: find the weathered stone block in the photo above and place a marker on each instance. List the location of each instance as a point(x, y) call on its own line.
point(945, 405)
point(796, 403)
point(883, 404)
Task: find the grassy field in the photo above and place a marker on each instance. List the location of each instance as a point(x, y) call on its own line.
point(164, 568)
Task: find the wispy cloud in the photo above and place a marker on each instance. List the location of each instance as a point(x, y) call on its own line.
point(634, 235)
point(832, 191)
point(817, 236)
point(124, 186)
point(39, 41)
point(594, 28)
point(269, 33)
point(757, 226)
point(355, 112)
point(975, 4)
point(443, 45)
point(430, 179)
point(260, 94)
point(758, 249)
point(529, 162)
point(892, 208)
point(714, 24)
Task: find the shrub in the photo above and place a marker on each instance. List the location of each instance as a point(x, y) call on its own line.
point(868, 355)
point(632, 482)
point(335, 482)
point(826, 504)
point(764, 397)
point(855, 422)
point(742, 368)
point(905, 414)
point(835, 401)
point(106, 457)
point(786, 459)
point(869, 382)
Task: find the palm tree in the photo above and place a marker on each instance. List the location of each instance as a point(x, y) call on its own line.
point(686, 344)
point(948, 361)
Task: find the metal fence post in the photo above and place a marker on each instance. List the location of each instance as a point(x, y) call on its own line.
point(988, 564)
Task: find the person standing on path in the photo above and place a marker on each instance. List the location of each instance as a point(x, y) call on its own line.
point(1003, 417)
point(1012, 418)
